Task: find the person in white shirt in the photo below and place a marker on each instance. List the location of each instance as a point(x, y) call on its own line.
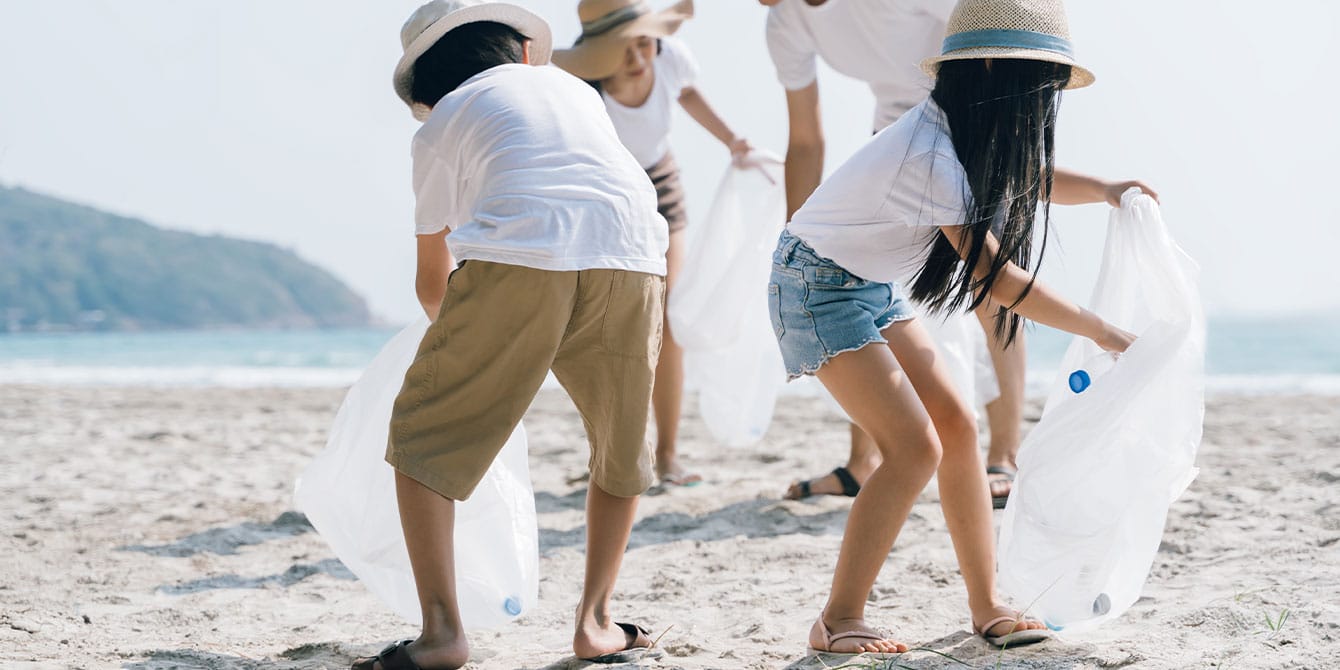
point(938, 208)
point(519, 176)
point(626, 52)
point(880, 42)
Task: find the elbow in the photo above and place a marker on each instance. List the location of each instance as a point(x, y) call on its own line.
point(805, 146)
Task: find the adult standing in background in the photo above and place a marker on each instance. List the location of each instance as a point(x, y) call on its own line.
point(882, 43)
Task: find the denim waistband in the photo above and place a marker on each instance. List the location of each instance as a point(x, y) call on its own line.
point(791, 248)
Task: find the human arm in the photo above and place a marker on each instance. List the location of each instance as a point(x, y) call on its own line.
point(1042, 304)
point(696, 105)
point(434, 264)
point(1072, 188)
point(804, 146)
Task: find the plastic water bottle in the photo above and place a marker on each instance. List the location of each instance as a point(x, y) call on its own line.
point(1092, 368)
point(1081, 596)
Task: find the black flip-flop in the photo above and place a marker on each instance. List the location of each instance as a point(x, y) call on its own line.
point(998, 502)
point(849, 485)
point(394, 657)
point(639, 646)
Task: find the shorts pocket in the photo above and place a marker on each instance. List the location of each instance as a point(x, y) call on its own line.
point(775, 309)
point(634, 315)
point(836, 278)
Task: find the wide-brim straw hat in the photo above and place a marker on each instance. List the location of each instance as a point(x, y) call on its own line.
point(430, 22)
point(1021, 29)
point(607, 25)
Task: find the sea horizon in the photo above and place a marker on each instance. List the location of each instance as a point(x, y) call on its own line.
point(1268, 355)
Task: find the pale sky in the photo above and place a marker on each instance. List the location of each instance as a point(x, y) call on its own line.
point(275, 120)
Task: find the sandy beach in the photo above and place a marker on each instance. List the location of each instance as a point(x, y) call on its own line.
point(151, 529)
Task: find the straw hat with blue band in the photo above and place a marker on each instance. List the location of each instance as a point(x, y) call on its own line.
point(1019, 29)
point(608, 25)
point(430, 22)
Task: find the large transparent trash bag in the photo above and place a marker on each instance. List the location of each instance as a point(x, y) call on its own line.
point(1117, 441)
point(718, 308)
point(348, 493)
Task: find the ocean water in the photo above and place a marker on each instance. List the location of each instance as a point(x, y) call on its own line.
point(1245, 355)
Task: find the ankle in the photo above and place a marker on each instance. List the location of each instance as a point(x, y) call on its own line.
point(596, 616)
point(834, 616)
point(985, 606)
point(862, 468)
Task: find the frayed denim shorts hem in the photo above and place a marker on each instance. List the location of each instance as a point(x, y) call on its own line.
point(820, 310)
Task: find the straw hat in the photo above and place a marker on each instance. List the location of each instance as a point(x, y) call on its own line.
point(607, 25)
point(430, 22)
point(1023, 29)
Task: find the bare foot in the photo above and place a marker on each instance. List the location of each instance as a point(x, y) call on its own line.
point(1017, 621)
point(851, 636)
point(449, 653)
point(681, 477)
point(592, 639)
point(671, 473)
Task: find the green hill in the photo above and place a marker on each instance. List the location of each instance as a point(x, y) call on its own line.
point(65, 266)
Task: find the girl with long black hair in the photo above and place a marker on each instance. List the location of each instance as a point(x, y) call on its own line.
point(943, 202)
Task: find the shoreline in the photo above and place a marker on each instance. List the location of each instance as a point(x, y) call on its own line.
point(150, 529)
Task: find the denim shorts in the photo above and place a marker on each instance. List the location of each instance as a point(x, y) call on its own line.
point(820, 310)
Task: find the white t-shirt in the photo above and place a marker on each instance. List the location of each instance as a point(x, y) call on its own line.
point(522, 165)
point(645, 130)
point(878, 214)
point(880, 42)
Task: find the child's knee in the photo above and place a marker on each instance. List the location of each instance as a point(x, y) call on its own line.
point(957, 429)
point(920, 455)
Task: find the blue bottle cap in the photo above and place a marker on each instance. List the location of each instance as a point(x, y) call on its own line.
point(512, 606)
point(1079, 380)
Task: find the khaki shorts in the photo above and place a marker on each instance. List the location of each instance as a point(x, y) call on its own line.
point(502, 328)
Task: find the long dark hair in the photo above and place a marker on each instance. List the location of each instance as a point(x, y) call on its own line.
point(1002, 119)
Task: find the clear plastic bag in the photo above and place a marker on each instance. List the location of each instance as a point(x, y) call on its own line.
point(718, 308)
point(348, 493)
point(1117, 441)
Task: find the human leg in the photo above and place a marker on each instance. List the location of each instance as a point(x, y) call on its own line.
point(476, 371)
point(607, 364)
point(668, 393)
point(861, 461)
point(609, 522)
point(874, 391)
point(1005, 413)
point(963, 492)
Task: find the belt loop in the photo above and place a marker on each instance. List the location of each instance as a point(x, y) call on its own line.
point(789, 249)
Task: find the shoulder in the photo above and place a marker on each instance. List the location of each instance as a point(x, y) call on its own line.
point(674, 48)
point(676, 56)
